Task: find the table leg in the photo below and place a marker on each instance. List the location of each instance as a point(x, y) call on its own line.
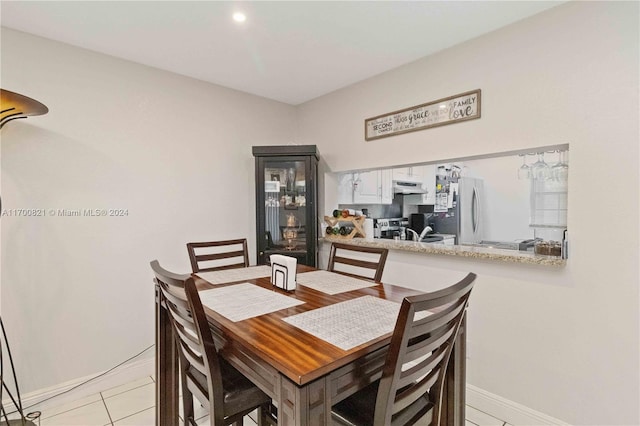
point(166, 368)
point(308, 405)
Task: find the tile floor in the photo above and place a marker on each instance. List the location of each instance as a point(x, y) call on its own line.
point(132, 404)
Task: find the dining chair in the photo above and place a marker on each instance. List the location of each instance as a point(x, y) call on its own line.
point(221, 252)
point(411, 386)
point(219, 387)
point(359, 262)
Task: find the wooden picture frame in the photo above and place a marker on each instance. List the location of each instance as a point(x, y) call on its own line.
point(453, 109)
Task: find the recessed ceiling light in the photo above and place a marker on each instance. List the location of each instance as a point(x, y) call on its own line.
point(239, 17)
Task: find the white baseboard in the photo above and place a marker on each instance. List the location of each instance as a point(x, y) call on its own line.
point(513, 413)
point(121, 375)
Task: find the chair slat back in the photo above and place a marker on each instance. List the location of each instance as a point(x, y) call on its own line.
point(193, 336)
point(413, 376)
point(361, 262)
point(209, 256)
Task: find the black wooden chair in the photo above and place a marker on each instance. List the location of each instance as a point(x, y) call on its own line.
point(218, 251)
point(411, 386)
point(220, 388)
point(362, 262)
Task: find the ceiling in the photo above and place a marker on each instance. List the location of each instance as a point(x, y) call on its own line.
point(289, 51)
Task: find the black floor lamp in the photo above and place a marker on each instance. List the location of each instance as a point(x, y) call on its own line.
point(13, 106)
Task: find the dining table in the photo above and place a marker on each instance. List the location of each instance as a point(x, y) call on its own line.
point(307, 349)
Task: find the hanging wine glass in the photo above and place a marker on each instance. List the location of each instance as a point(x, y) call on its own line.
point(540, 170)
point(524, 172)
point(560, 170)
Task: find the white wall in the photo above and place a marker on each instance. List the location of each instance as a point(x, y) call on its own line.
point(174, 151)
point(561, 341)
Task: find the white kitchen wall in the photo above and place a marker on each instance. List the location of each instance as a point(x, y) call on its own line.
point(175, 153)
point(561, 341)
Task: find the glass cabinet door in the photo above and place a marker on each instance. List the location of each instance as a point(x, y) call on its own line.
point(286, 217)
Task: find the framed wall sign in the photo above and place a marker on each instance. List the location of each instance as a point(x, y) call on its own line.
point(462, 107)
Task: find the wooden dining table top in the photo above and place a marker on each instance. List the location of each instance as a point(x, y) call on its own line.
point(296, 354)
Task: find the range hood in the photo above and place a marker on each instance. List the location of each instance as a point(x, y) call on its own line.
point(406, 187)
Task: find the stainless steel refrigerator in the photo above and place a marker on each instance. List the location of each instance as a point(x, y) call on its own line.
point(459, 207)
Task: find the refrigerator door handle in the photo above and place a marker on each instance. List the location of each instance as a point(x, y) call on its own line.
point(474, 207)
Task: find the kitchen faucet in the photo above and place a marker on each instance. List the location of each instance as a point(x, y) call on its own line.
point(415, 236)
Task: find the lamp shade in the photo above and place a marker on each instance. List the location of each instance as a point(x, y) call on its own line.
point(14, 105)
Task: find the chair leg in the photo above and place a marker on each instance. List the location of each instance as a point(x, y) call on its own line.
point(187, 403)
point(262, 415)
point(266, 415)
point(261, 419)
point(187, 408)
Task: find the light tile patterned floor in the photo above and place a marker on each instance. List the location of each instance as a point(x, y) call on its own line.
point(133, 404)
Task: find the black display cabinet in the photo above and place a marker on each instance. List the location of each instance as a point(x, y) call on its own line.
point(286, 202)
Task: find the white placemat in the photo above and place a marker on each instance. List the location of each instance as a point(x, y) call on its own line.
point(236, 274)
point(331, 282)
point(241, 301)
point(351, 323)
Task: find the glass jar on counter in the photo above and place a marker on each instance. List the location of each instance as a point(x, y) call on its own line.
point(548, 248)
point(548, 241)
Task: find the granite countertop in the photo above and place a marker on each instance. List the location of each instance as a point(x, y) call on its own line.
point(455, 250)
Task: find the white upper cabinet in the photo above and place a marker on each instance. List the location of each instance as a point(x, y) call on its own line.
point(409, 174)
point(386, 182)
point(345, 188)
point(366, 187)
point(372, 187)
point(429, 179)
